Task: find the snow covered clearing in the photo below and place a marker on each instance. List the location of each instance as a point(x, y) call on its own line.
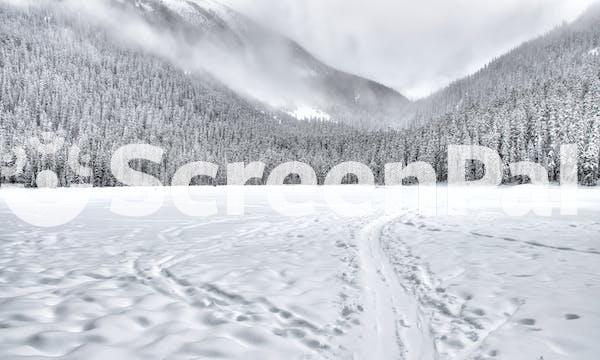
point(482, 285)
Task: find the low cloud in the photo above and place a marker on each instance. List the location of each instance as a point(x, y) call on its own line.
point(237, 67)
point(415, 47)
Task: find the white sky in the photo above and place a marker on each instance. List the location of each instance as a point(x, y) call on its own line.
point(413, 46)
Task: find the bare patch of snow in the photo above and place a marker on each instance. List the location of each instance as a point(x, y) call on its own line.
point(309, 113)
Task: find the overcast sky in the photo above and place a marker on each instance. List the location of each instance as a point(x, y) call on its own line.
point(413, 46)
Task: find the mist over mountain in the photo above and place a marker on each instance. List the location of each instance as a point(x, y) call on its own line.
point(416, 47)
point(525, 104)
point(206, 83)
point(557, 55)
point(206, 38)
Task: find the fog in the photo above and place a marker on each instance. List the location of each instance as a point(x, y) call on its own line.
point(414, 46)
point(240, 68)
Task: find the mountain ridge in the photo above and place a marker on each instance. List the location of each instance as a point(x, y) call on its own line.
point(463, 92)
point(282, 65)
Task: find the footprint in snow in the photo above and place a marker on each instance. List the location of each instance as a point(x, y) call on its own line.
point(528, 322)
point(572, 316)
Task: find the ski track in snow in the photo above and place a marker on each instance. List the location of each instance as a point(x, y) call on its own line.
point(264, 286)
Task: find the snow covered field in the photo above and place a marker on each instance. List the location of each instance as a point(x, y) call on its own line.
point(483, 285)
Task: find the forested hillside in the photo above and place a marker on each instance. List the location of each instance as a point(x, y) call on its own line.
point(258, 63)
point(525, 104)
point(61, 74)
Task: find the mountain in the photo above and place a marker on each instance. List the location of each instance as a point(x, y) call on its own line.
point(105, 73)
point(553, 56)
point(524, 104)
point(68, 70)
point(263, 65)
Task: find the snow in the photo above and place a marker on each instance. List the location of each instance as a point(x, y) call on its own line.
point(305, 71)
point(480, 285)
point(223, 13)
point(182, 7)
point(594, 52)
point(309, 113)
point(499, 286)
point(185, 9)
point(212, 5)
point(143, 5)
